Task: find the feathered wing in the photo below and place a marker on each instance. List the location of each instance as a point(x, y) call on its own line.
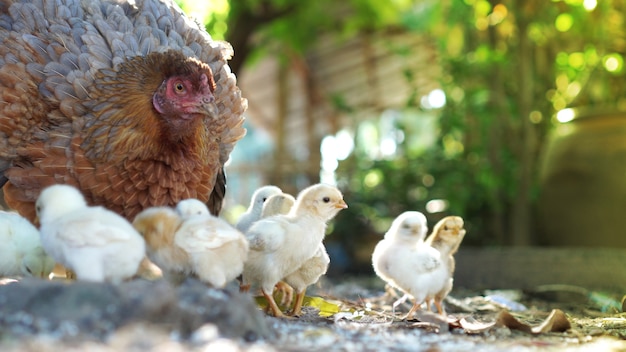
point(92, 232)
point(267, 235)
point(425, 260)
point(199, 234)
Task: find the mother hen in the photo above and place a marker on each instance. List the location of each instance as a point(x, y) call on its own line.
point(131, 102)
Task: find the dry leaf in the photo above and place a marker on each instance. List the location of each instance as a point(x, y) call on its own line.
point(556, 322)
point(473, 326)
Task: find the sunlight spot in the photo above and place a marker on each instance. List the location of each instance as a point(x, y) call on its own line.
point(613, 63)
point(565, 115)
point(535, 116)
point(590, 5)
point(373, 178)
point(436, 205)
point(564, 22)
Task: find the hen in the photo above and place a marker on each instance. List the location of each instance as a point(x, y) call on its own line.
point(404, 261)
point(447, 236)
point(280, 244)
point(192, 241)
point(21, 253)
point(131, 102)
point(95, 243)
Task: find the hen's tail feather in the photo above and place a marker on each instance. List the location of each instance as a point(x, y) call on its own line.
point(219, 192)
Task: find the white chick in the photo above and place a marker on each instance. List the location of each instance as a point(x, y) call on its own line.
point(256, 207)
point(192, 206)
point(280, 243)
point(277, 204)
point(192, 244)
point(405, 262)
point(310, 271)
point(21, 253)
point(447, 236)
point(280, 204)
point(95, 243)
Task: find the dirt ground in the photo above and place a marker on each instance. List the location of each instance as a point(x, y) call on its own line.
point(355, 315)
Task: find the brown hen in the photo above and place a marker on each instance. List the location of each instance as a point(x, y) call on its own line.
point(133, 103)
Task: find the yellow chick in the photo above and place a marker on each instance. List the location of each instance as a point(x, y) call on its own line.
point(280, 243)
point(195, 243)
point(446, 237)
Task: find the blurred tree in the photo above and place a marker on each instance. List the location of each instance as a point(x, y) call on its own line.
point(509, 66)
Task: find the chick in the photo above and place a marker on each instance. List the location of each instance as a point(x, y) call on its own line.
point(308, 274)
point(192, 206)
point(310, 271)
point(256, 207)
point(95, 243)
point(194, 243)
point(446, 237)
point(405, 262)
point(280, 243)
point(280, 203)
point(21, 253)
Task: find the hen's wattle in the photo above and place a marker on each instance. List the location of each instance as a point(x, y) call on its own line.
point(132, 103)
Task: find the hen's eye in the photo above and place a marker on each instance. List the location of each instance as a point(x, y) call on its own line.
point(179, 87)
point(326, 199)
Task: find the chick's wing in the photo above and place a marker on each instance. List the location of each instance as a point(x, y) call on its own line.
point(202, 233)
point(267, 235)
point(91, 231)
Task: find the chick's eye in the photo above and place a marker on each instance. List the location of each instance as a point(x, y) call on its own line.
point(326, 199)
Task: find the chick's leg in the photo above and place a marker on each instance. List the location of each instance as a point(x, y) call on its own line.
point(286, 293)
point(272, 304)
point(297, 307)
point(440, 307)
point(398, 302)
point(414, 309)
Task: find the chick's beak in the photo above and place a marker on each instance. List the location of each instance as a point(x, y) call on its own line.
point(341, 204)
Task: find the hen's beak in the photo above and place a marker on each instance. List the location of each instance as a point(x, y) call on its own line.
point(341, 204)
point(209, 108)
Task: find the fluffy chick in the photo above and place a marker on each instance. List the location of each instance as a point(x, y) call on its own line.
point(310, 271)
point(21, 253)
point(95, 243)
point(199, 244)
point(405, 262)
point(280, 204)
point(277, 204)
point(192, 206)
point(446, 237)
point(280, 243)
point(256, 207)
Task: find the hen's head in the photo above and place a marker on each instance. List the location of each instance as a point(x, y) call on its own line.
point(186, 92)
point(409, 226)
